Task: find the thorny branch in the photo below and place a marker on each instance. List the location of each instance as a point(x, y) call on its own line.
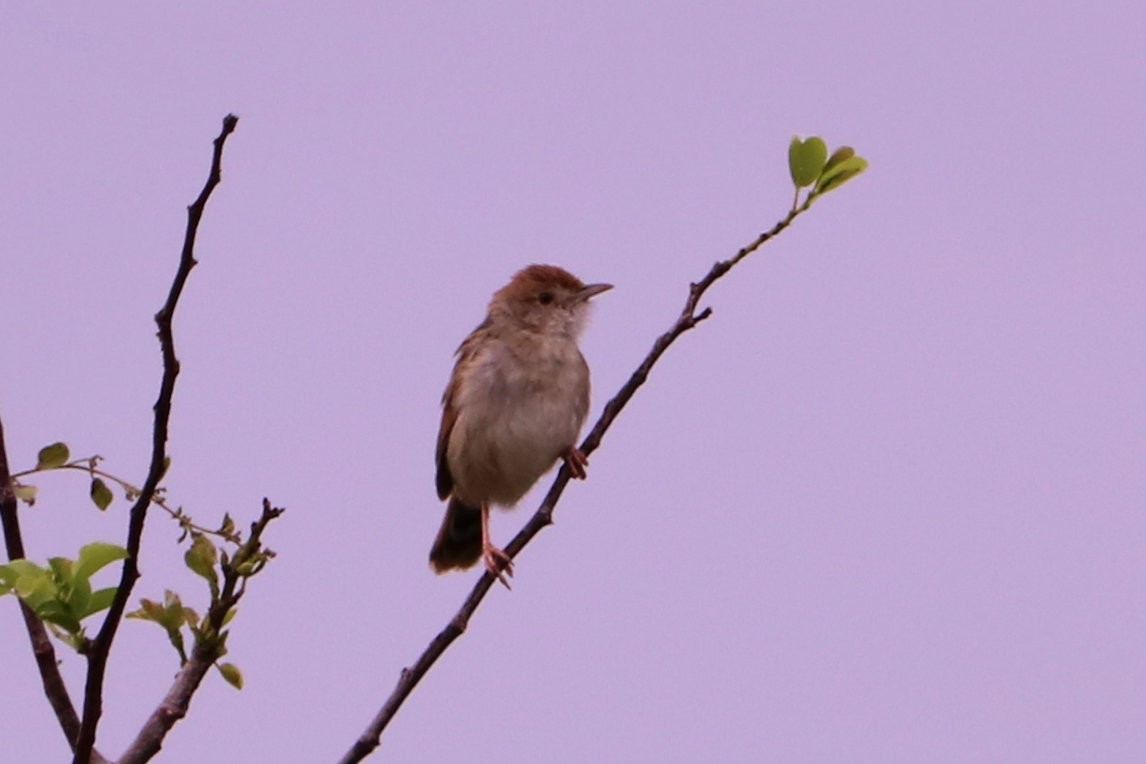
point(689, 317)
point(101, 646)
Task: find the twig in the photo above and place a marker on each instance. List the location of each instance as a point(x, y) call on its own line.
point(101, 645)
point(208, 649)
point(42, 648)
point(85, 465)
point(688, 318)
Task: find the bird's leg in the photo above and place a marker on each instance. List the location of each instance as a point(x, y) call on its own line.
point(496, 561)
point(576, 462)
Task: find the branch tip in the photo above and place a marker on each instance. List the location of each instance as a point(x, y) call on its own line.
point(101, 645)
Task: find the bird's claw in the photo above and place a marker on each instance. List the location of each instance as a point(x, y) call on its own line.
point(576, 462)
point(498, 563)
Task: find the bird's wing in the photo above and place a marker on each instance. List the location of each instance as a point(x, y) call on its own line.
point(444, 480)
point(466, 352)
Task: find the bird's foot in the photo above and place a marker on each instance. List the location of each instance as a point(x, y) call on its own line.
point(576, 462)
point(498, 563)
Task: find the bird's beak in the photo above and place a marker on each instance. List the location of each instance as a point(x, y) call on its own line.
point(590, 290)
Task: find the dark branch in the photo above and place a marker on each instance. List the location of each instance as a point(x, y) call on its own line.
point(209, 649)
point(688, 318)
point(42, 649)
point(101, 646)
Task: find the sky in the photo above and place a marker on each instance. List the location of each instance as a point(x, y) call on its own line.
point(886, 505)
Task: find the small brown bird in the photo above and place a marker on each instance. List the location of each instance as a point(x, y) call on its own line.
point(515, 404)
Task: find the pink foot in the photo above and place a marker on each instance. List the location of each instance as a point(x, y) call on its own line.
point(576, 462)
point(498, 563)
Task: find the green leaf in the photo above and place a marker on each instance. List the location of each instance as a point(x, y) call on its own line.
point(149, 610)
point(806, 160)
point(201, 559)
point(170, 616)
point(56, 612)
point(11, 573)
point(101, 494)
point(75, 590)
point(840, 173)
point(190, 617)
point(36, 587)
point(52, 456)
point(839, 155)
point(100, 600)
point(97, 555)
point(228, 526)
point(75, 640)
point(61, 568)
point(232, 674)
point(25, 493)
point(8, 578)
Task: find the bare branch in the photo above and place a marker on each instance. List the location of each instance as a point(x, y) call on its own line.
point(688, 318)
point(101, 645)
point(207, 649)
point(42, 648)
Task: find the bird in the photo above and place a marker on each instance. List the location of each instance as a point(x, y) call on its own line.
point(514, 406)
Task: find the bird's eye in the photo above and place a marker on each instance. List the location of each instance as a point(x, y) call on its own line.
point(545, 298)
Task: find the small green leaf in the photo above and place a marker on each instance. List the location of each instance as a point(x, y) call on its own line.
point(101, 494)
point(149, 610)
point(97, 555)
point(11, 573)
point(36, 587)
point(840, 173)
point(839, 155)
point(100, 600)
point(56, 612)
point(190, 617)
point(232, 674)
point(75, 589)
point(25, 493)
point(52, 456)
point(74, 640)
point(228, 526)
point(172, 611)
point(61, 568)
point(806, 160)
point(201, 559)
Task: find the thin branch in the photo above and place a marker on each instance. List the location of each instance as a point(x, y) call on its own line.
point(688, 318)
point(208, 649)
point(101, 645)
point(86, 465)
point(42, 648)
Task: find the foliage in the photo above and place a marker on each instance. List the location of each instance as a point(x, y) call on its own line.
point(61, 594)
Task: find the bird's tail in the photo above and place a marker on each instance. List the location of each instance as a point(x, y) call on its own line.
point(458, 544)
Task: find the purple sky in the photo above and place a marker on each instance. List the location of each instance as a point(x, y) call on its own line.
point(887, 505)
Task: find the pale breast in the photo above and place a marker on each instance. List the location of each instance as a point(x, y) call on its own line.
point(517, 414)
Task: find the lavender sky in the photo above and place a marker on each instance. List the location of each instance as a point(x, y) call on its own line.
point(887, 505)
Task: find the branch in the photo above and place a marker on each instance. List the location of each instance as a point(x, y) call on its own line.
point(42, 649)
point(688, 318)
point(101, 645)
point(208, 648)
point(87, 466)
